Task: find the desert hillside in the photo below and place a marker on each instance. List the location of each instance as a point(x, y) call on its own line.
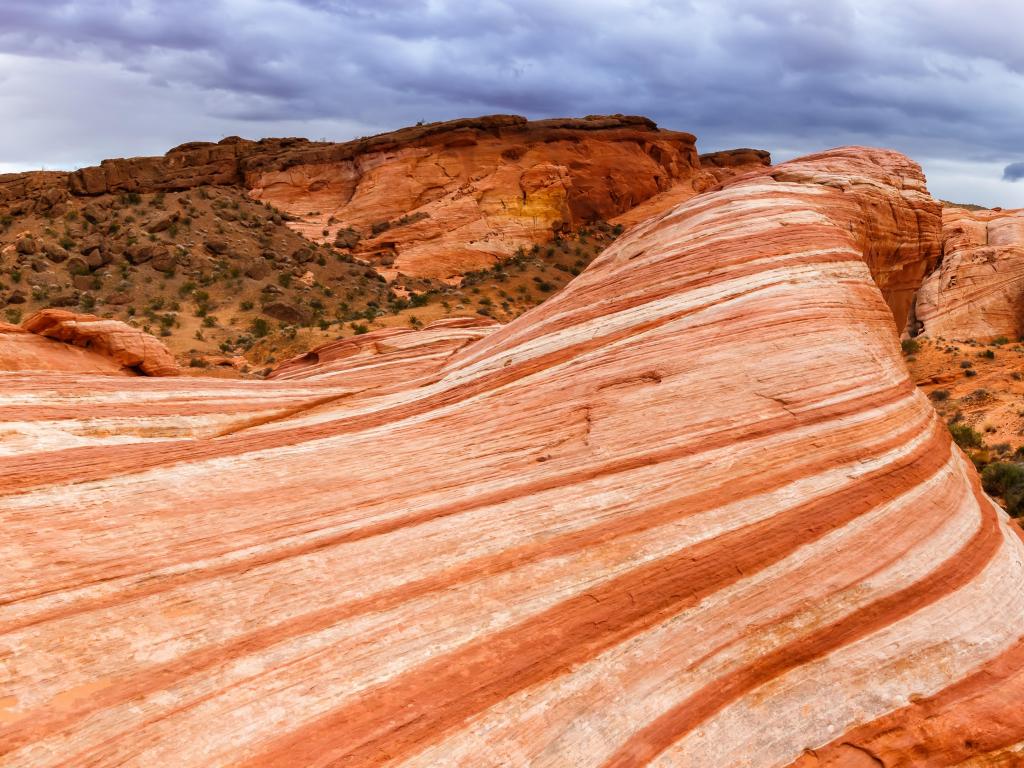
point(242, 253)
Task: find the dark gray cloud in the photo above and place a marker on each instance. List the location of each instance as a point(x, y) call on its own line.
point(1014, 172)
point(935, 78)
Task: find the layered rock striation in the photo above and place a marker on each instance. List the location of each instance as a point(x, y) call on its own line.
point(978, 291)
point(689, 511)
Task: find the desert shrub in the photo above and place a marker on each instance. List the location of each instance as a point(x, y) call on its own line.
point(970, 372)
point(1000, 340)
point(966, 364)
point(284, 279)
point(196, 362)
point(940, 395)
point(359, 328)
point(246, 305)
point(965, 436)
point(910, 346)
point(988, 354)
point(259, 328)
point(1006, 479)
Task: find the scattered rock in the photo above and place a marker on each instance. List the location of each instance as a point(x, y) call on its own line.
point(286, 313)
point(216, 245)
point(27, 246)
point(55, 253)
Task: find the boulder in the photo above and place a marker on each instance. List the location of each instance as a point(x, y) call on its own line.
point(55, 253)
point(287, 312)
point(127, 346)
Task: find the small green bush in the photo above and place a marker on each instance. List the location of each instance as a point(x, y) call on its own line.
point(1006, 479)
point(260, 327)
point(910, 346)
point(940, 395)
point(965, 436)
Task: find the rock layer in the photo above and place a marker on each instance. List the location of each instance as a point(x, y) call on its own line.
point(978, 291)
point(689, 511)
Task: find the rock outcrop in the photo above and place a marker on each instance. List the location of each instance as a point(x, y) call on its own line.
point(464, 195)
point(719, 166)
point(978, 291)
point(689, 511)
point(24, 351)
point(727, 164)
point(126, 346)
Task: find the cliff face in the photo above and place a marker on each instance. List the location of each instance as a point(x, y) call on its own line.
point(978, 292)
point(691, 509)
point(451, 201)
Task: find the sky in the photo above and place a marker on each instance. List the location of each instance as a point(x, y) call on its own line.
point(941, 80)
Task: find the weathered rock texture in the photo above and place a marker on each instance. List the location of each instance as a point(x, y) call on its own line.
point(24, 351)
point(124, 345)
point(391, 355)
point(690, 511)
point(978, 291)
point(442, 202)
point(719, 166)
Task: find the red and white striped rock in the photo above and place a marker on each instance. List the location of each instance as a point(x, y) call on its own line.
point(978, 291)
point(688, 512)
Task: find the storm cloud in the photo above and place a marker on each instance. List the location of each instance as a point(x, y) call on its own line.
point(1014, 172)
point(939, 79)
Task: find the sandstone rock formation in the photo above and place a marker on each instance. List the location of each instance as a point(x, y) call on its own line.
point(978, 291)
point(24, 351)
point(446, 201)
point(720, 166)
point(690, 511)
point(126, 346)
point(392, 355)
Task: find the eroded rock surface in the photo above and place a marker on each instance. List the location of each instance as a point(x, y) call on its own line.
point(439, 203)
point(978, 291)
point(126, 346)
point(24, 351)
point(690, 511)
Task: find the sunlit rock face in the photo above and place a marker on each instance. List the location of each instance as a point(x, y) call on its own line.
point(463, 195)
point(978, 291)
point(688, 512)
